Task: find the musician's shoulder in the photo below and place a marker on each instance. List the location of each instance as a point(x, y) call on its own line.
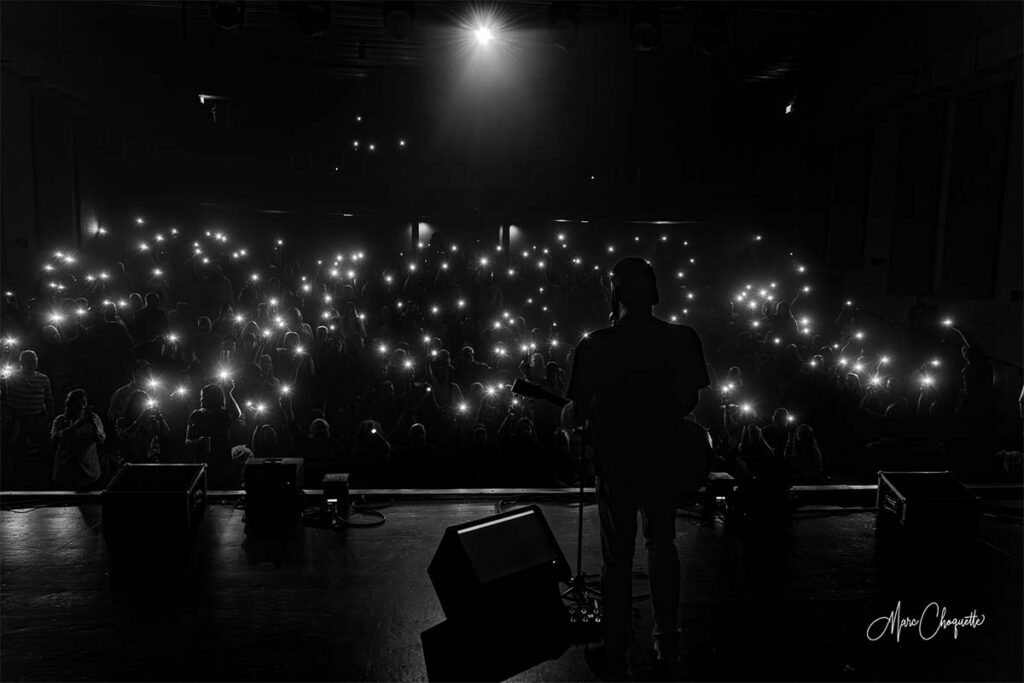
point(678, 328)
point(603, 334)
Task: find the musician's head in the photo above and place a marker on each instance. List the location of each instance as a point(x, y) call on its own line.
point(634, 285)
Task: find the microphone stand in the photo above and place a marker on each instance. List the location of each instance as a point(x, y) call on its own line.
point(578, 590)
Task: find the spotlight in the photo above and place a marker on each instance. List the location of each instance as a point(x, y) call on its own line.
point(483, 35)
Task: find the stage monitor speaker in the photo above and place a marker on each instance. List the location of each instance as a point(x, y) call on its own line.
point(273, 489)
point(500, 568)
point(927, 504)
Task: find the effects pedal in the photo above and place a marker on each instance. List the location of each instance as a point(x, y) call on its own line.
point(586, 622)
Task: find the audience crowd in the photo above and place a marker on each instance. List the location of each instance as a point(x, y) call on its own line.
point(398, 368)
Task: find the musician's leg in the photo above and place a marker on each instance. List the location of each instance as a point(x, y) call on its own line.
point(659, 526)
point(618, 508)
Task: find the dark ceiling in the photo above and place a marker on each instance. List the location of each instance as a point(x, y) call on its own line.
point(83, 46)
point(591, 92)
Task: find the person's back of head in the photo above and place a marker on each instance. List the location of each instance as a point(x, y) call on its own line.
point(29, 361)
point(152, 300)
point(319, 429)
point(75, 402)
point(779, 417)
point(805, 434)
point(634, 284)
point(135, 302)
point(140, 371)
point(551, 371)
point(204, 324)
point(417, 435)
point(524, 427)
point(211, 397)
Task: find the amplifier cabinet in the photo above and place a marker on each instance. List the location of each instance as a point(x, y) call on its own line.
point(153, 505)
point(273, 489)
point(927, 503)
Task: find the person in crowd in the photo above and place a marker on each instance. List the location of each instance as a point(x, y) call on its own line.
point(27, 402)
point(209, 429)
point(754, 445)
point(141, 429)
point(75, 435)
point(735, 377)
point(225, 322)
point(141, 375)
point(371, 458)
point(418, 463)
point(206, 343)
point(805, 457)
point(777, 433)
point(447, 393)
point(27, 393)
point(110, 353)
point(216, 289)
point(468, 369)
point(523, 454)
point(151, 320)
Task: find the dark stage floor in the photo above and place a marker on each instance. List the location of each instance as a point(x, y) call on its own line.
point(351, 606)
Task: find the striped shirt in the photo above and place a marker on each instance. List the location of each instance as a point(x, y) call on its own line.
point(27, 395)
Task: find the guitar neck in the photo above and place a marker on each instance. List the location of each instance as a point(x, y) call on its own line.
point(529, 389)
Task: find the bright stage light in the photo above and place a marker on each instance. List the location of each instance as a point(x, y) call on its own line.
point(483, 35)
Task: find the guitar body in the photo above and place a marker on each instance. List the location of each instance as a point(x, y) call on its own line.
point(696, 453)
